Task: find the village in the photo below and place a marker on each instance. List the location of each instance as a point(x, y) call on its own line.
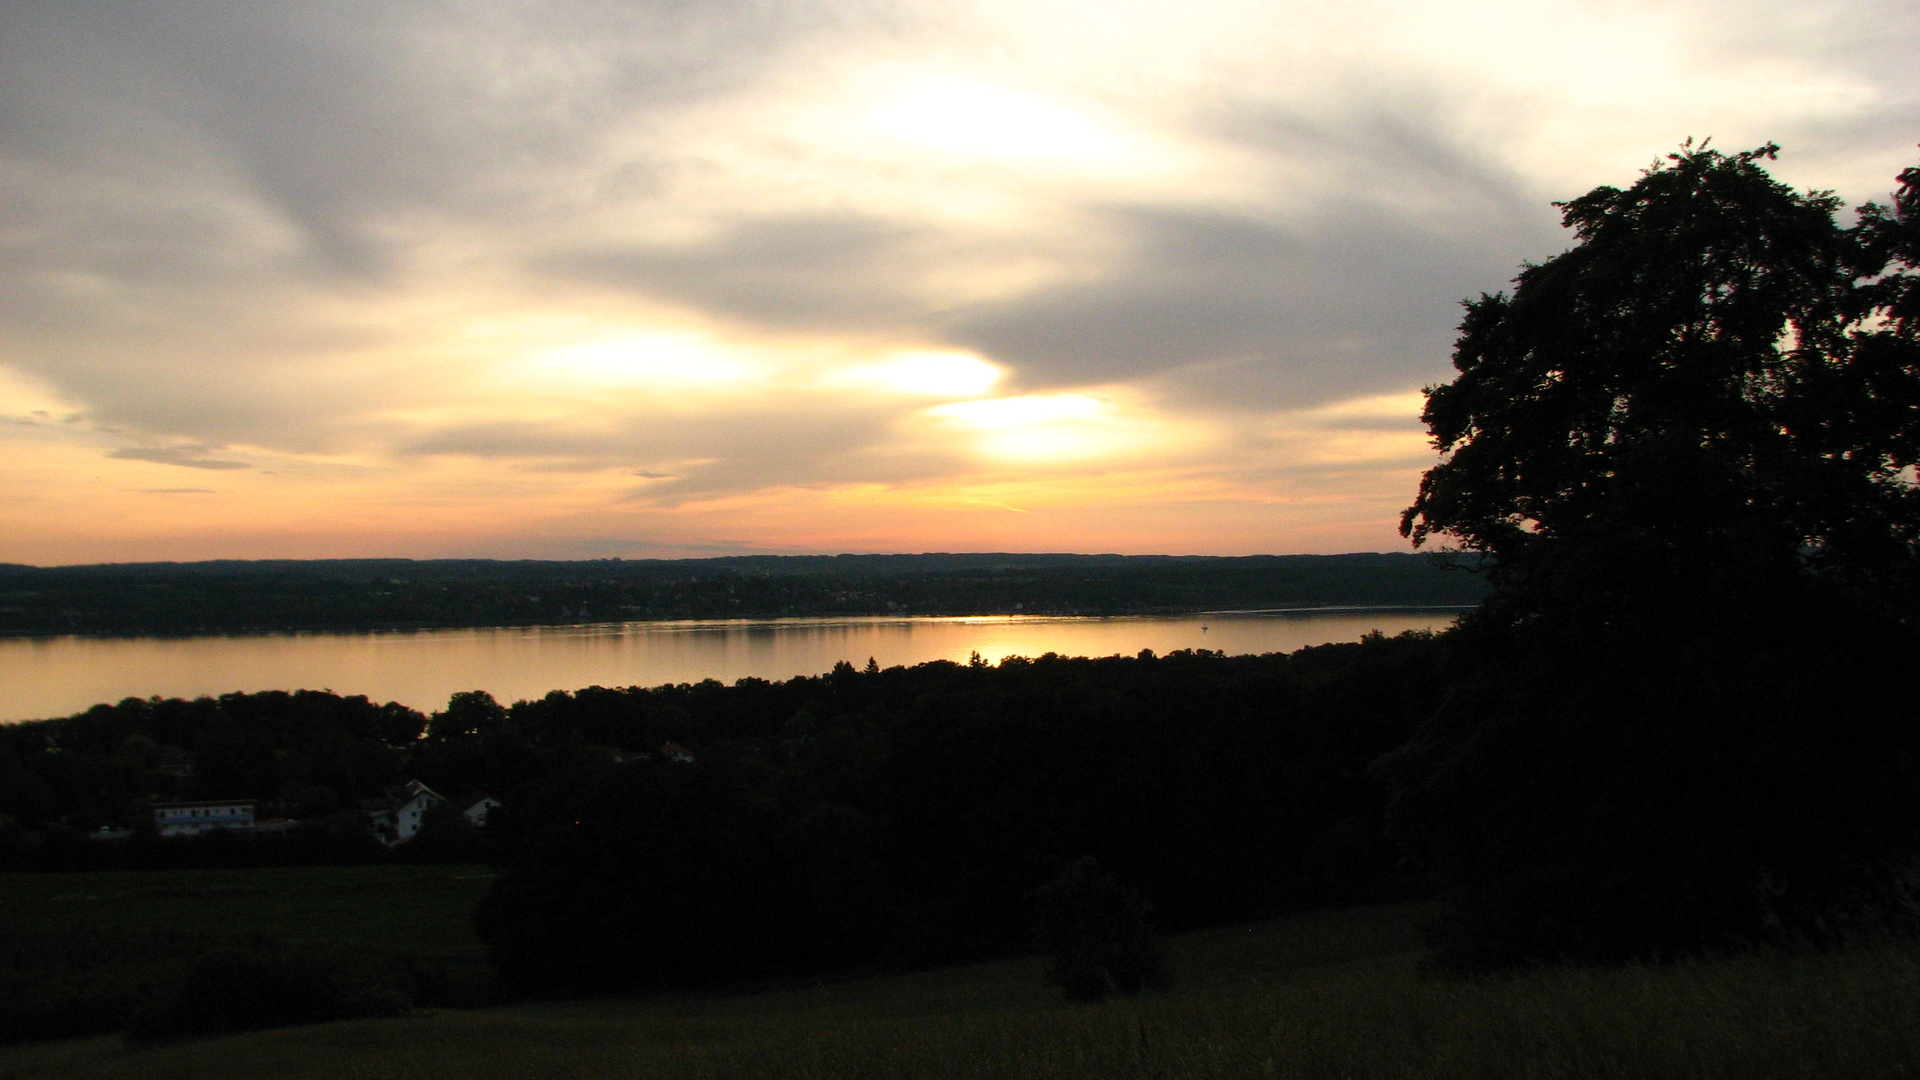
point(394, 817)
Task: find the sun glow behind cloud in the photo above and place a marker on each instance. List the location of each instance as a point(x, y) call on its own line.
point(665, 361)
point(922, 373)
point(971, 119)
point(1051, 430)
point(632, 280)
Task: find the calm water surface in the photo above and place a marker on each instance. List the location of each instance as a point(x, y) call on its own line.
point(56, 676)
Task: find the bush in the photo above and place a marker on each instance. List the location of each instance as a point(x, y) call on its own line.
point(58, 982)
point(1098, 933)
point(264, 983)
point(445, 836)
point(669, 877)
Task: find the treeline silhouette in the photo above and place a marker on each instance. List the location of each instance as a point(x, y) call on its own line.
point(848, 821)
point(309, 755)
point(906, 816)
point(367, 594)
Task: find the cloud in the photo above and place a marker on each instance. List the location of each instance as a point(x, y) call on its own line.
point(338, 117)
point(188, 457)
point(177, 491)
point(710, 454)
point(1252, 312)
point(642, 259)
point(841, 270)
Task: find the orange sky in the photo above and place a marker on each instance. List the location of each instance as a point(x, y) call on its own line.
point(595, 279)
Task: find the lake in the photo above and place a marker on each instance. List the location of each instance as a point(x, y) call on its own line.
point(45, 677)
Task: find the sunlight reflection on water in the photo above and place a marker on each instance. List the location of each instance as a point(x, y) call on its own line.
point(45, 677)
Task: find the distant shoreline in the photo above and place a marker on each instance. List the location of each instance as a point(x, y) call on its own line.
point(225, 598)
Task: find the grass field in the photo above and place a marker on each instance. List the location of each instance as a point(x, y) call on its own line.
point(1323, 995)
point(86, 953)
point(410, 911)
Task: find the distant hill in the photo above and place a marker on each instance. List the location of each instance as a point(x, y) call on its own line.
point(229, 596)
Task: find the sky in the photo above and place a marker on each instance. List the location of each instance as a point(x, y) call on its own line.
point(704, 277)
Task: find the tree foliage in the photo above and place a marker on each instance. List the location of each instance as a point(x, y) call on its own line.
point(1716, 367)
point(1685, 715)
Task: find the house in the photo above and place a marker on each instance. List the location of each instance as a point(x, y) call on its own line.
point(396, 815)
point(477, 809)
point(192, 818)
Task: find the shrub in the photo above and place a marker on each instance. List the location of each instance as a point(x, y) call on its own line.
point(445, 836)
point(1098, 933)
point(264, 983)
point(58, 982)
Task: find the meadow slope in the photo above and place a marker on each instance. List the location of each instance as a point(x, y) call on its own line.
point(1323, 995)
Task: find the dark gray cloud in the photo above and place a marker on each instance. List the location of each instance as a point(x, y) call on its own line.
point(1249, 312)
point(841, 270)
point(341, 110)
point(1359, 295)
point(685, 457)
point(189, 457)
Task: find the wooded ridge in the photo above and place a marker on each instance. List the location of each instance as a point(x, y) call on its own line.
point(369, 594)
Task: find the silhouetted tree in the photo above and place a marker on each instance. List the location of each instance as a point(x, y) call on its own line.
point(469, 712)
point(1699, 374)
point(1097, 934)
point(1684, 716)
